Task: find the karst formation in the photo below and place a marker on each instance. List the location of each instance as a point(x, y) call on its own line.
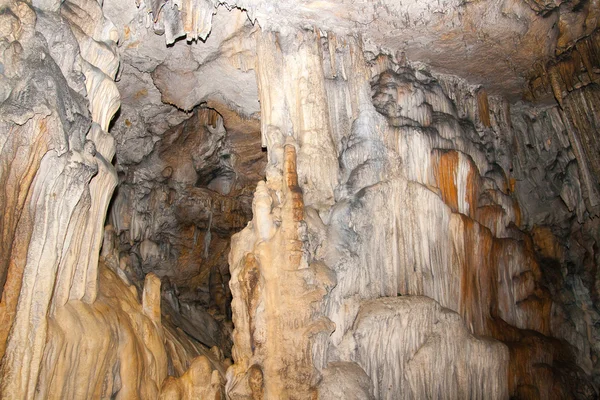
point(299, 199)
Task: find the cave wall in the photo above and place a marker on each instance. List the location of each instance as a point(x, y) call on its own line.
point(70, 193)
point(62, 336)
point(424, 200)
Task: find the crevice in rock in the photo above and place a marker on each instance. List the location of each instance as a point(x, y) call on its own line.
point(174, 211)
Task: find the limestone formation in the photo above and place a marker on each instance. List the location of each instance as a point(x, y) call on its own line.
point(58, 71)
point(272, 276)
point(259, 199)
point(415, 349)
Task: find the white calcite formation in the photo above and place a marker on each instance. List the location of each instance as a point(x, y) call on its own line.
point(413, 348)
point(342, 262)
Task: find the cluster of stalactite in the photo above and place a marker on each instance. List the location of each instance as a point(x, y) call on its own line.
point(421, 202)
point(572, 78)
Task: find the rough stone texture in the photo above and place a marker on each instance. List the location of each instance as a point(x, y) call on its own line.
point(186, 177)
point(176, 209)
point(115, 346)
point(70, 193)
point(436, 155)
point(200, 381)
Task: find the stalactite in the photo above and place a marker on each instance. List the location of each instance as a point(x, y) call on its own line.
point(555, 83)
point(298, 68)
point(177, 18)
point(62, 309)
point(573, 69)
point(483, 107)
point(582, 127)
point(72, 172)
point(474, 262)
point(416, 235)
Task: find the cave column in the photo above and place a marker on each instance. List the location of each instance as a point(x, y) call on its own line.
point(277, 296)
point(294, 106)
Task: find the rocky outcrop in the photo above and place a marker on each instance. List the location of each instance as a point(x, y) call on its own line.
point(492, 42)
point(186, 177)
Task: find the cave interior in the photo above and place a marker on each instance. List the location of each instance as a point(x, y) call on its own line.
point(262, 199)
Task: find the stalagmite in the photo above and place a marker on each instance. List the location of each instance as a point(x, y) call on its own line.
point(275, 262)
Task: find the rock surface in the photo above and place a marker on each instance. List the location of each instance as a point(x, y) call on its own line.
point(413, 348)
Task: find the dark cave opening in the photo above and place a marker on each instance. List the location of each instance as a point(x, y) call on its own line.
point(177, 205)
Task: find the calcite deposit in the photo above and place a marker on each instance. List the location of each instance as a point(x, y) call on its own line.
point(257, 199)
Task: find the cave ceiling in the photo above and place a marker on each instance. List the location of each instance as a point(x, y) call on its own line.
point(497, 44)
